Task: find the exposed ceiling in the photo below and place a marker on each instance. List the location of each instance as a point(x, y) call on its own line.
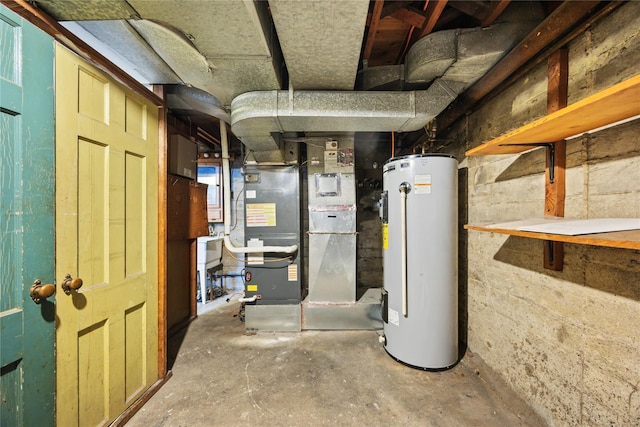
point(287, 63)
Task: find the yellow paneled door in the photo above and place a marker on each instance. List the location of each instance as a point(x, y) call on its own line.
point(106, 235)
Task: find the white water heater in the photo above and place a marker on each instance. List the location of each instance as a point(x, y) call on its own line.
point(419, 212)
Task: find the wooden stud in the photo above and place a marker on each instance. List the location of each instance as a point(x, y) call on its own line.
point(557, 90)
point(373, 29)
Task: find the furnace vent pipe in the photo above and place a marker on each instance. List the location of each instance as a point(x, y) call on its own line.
point(226, 184)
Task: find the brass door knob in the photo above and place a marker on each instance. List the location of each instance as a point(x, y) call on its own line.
point(38, 291)
point(70, 284)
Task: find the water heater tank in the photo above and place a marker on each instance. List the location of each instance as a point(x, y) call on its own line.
point(419, 212)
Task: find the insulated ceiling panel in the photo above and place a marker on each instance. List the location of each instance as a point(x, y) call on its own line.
point(321, 41)
point(216, 28)
point(83, 10)
point(224, 47)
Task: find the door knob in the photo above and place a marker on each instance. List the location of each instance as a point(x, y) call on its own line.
point(70, 284)
point(38, 291)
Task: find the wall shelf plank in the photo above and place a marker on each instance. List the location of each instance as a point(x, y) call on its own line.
point(629, 239)
point(614, 104)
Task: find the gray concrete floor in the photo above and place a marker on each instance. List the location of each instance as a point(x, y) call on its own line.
point(224, 377)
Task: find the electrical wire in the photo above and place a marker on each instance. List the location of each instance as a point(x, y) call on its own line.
point(235, 224)
point(393, 144)
point(313, 145)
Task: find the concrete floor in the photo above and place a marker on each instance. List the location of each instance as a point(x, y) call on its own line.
point(224, 377)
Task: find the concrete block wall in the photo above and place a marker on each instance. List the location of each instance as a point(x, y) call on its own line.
point(568, 342)
point(371, 152)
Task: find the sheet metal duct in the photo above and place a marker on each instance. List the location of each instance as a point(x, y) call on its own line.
point(255, 116)
point(230, 49)
point(451, 60)
point(258, 118)
point(191, 101)
point(461, 55)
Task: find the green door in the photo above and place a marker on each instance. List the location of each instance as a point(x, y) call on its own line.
point(27, 358)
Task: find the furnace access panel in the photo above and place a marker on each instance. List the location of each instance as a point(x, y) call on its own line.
point(272, 218)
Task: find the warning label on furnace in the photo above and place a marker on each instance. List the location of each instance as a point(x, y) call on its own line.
point(385, 236)
point(422, 184)
point(261, 215)
point(292, 272)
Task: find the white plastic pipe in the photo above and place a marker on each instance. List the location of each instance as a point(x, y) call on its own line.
point(226, 185)
point(248, 299)
point(403, 246)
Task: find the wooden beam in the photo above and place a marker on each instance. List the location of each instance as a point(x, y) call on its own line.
point(476, 9)
point(373, 29)
point(554, 193)
point(410, 16)
point(495, 8)
point(484, 12)
point(433, 13)
point(566, 16)
point(392, 6)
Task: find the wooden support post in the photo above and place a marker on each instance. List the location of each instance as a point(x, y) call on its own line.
point(558, 71)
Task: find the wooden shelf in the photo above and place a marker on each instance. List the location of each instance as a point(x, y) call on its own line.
point(618, 239)
point(619, 102)
point(612, 105)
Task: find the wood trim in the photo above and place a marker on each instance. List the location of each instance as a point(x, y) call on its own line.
point(140, 402)
point(65, 37)
point(162, 234)
point(193, 278)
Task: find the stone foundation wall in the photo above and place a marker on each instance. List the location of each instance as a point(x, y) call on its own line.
point(568, 341)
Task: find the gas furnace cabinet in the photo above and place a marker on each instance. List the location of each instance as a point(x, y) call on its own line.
point(272, 218)
point(419, 212)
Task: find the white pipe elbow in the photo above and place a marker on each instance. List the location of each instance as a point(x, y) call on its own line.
point(258, 249)
point(248, 299)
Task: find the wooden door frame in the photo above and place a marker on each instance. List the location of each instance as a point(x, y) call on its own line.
point(82, 49)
